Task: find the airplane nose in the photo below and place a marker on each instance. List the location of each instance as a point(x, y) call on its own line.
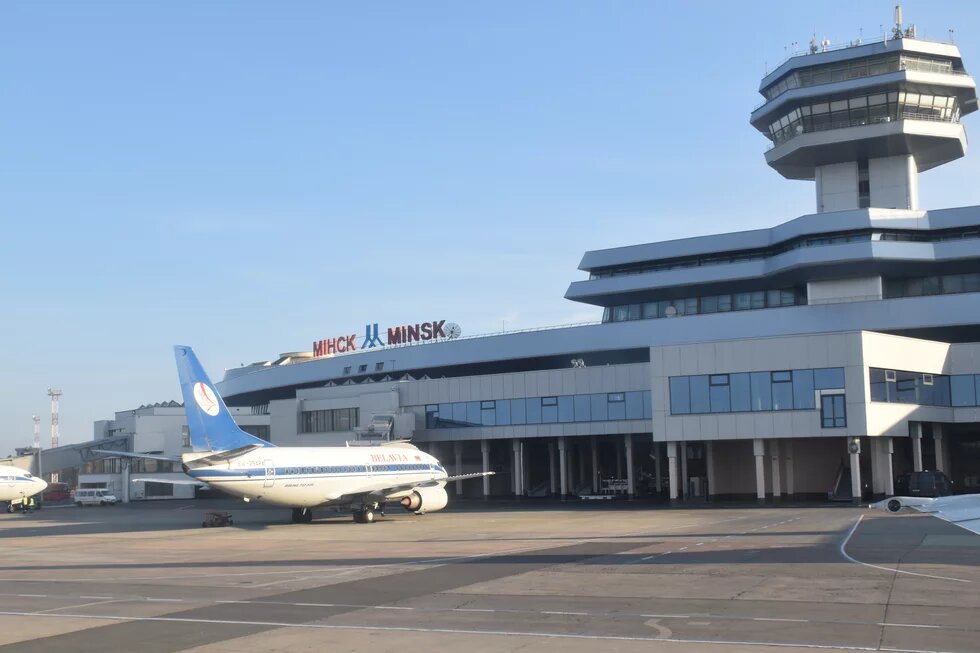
point(42, 483)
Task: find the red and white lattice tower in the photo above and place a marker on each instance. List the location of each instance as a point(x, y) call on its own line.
point(37, 432)
point(55, 394)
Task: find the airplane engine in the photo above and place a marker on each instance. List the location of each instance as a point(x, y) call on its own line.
point(425, 499)
point(898, 504)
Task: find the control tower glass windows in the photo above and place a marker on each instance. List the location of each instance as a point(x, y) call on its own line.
point(864, 110)
point(867, 67)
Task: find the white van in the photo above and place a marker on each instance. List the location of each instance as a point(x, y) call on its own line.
point(90, 497)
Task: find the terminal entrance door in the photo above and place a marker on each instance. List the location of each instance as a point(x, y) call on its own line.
point(270, 474)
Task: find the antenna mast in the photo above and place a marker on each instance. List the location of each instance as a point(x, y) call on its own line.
point(55, 394)
point(37, 432)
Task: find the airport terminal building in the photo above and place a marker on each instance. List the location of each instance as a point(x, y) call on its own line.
point(829, 353)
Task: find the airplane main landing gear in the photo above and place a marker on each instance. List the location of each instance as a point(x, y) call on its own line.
point(368, 514)
point(302, 515)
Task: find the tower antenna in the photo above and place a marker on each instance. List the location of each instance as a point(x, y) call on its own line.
point(55, 394)
point(37, 432)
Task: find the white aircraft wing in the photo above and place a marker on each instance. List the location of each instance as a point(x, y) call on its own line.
point(130, 454)
point(380, 493)
point(962, 510)
point(171, 481)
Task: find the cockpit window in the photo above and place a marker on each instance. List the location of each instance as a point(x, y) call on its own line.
point(27, 475)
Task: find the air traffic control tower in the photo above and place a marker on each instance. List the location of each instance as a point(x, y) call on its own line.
point(863, 120)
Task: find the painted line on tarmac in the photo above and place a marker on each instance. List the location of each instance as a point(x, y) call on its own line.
point(711, 541)
point(357, 606)
point(600, 538)
point(75, 607)
point(462, 631)
point(843, 552)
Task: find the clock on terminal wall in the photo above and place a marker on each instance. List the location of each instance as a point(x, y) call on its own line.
point(453, 330)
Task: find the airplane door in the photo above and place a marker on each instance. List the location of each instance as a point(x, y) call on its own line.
point(270, 474)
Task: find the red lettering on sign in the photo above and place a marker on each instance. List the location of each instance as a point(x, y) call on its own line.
point(394, 335)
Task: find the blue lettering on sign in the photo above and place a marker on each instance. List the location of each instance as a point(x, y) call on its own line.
point(371, 338)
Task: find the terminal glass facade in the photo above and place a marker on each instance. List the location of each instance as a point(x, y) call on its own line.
point(946, 284)
point(558, 409)
point(752, 391)
point(740, 301)
point(327, 421)
point(901, 387)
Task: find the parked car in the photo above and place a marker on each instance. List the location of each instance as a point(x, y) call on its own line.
point(923, 484)
point(57, 492)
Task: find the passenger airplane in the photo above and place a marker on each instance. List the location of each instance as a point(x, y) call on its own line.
point(962, 510)
point(16, 484)
point(360, 477)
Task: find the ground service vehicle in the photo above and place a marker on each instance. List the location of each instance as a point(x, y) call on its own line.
point(96, 496)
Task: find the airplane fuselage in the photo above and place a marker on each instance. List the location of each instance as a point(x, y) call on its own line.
point(16, 484)
point(305, 477)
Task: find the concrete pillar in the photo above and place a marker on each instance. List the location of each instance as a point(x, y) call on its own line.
point(889, 471)
point(563, 466)
point(759, 451)
point(552, 472)
point(518, 467)
point(485, 449)
point(657, 474)
point(672, 469)
point(581, 464)
point(595, 465)
point(881, 466)
point(630, 485)
point(126, 484)
point(916, 433)
point(709, 455)
point(777, 485)
point(458, 451)
point(570, 464)
point(619, 459)
point(855, 471)
point(788, 457)
point(684, 484)
point(937, 438)
point(525, 469)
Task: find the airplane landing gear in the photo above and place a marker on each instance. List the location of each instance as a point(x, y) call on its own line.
point(367, 514)
point(302, 515)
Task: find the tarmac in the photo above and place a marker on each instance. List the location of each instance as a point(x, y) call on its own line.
point(146, 577)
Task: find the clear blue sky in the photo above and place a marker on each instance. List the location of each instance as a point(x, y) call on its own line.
point(247, 177)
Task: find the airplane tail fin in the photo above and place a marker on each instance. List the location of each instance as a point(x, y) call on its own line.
point(208, 419)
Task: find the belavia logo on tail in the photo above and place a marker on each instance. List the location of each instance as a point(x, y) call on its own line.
point(206, 399)
point(400, 335)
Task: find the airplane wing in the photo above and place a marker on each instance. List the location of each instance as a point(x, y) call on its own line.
point(381, 493)
point(171, 481)
point(222, 456)
point(962, 510)
point(130, 454)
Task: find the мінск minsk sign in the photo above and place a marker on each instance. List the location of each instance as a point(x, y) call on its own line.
point(400, 335)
